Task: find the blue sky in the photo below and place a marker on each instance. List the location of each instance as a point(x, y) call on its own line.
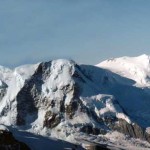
point(87, 31)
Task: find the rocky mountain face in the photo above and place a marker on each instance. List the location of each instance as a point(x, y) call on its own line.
point(63, 99)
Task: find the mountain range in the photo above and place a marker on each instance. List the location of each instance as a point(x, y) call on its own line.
point(50, 103)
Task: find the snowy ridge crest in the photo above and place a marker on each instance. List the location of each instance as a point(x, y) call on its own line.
point(62, 99)
point(135, 68)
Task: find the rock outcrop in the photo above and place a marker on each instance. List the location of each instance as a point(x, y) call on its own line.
point(133, 130)
point(77, 98)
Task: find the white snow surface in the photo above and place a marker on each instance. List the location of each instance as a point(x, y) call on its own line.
point(133, 94)
point(116, 85)
point(15, 80)
point(104, 106)
point(135, 68)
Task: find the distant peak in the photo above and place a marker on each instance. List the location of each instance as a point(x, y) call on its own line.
point(144, 56)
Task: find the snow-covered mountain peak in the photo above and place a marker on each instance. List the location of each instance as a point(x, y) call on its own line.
point(24, 72)
point(62, 62)
point(135, 68)
point(63, 67)
point(61, 98)
point(5, 74)
point(5, 69)
point(144, 56)
point(143, 60)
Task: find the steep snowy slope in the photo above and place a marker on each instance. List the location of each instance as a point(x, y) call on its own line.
point(134, 97)
point(69, 101)
point(58, 95)
point(13, 80)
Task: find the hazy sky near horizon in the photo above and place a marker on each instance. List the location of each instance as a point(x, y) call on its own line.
point(87, 31)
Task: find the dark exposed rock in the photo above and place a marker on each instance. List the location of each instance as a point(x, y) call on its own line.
point(62, 105)
point(147, 137)
point(8, 142)
point(51, 120)
point(52, 103)
point(96, 147)
point(92, 130)
point(71, 108)
point(3, 89)
point(110, 121)
point(20, 120)
point(2, 93)
point(133, 130)
point(87, 129)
